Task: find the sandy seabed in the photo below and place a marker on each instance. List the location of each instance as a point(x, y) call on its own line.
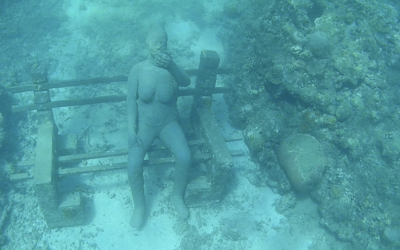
point(245, 219)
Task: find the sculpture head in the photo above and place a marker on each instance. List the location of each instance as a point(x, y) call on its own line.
point(157, 38)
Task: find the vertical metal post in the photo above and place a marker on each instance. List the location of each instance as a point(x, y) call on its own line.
point(204, 121)
point(57, 211)
point(44, 174)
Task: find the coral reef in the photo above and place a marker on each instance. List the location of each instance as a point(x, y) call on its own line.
point(328, 69)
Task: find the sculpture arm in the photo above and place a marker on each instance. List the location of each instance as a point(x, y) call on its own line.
point(179, 74)
point(164, 60)
point(131, 102)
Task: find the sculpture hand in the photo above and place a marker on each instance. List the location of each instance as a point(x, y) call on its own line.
point(134, 140)
point(162, 60)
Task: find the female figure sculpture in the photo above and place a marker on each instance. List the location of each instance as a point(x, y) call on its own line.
point(152, 113)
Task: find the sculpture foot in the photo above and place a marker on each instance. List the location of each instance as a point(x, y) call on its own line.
point(180, 206)
point(137, 219)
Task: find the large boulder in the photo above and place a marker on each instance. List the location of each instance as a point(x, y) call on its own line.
point(303, 159)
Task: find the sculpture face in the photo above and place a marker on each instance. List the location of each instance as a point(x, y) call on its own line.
point(157, 44)
point(157, 39)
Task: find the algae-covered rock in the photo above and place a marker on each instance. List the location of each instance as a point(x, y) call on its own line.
point(303, 159)
point(390, 146)
point(318, 43)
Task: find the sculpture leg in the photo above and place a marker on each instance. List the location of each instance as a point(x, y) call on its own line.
point(174, 139)
point(136, 154)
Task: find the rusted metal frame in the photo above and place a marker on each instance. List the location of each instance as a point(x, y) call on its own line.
point(97, 155)
point(115, 166)
point(109, 98)
point(68, 103)
point(66, 84)
point(122, 165)
point(148, 162)
point(97, 80)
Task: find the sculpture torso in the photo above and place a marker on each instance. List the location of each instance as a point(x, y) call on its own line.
point(157, 95)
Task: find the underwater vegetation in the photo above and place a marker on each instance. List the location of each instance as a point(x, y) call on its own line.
point(329, 70)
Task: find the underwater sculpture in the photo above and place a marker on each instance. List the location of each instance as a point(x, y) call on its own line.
point(152, 113)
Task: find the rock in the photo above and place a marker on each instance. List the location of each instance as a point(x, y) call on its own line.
point(390, 146)
point(391, 235)
point(303, 159)
point(318, 43)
